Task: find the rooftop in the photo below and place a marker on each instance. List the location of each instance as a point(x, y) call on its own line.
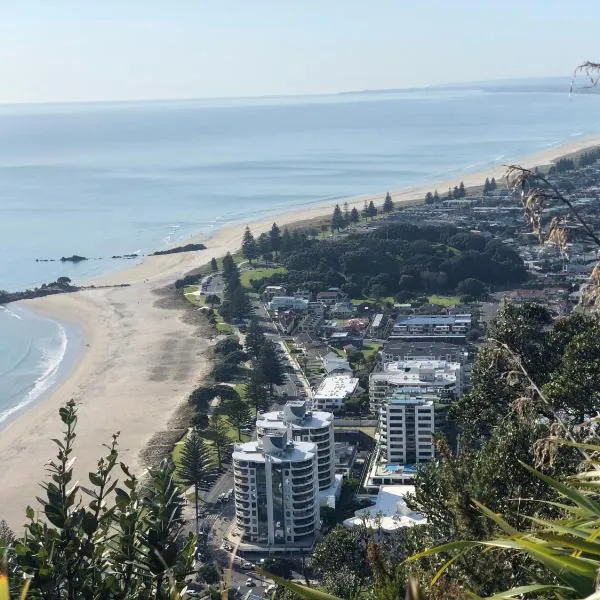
point(277, 447)
point(389, 512)
point(296, 415)
point(336, 386)
point(418, 372)
point(433, 319)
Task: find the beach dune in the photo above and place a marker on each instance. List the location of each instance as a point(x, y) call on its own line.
point(142, 356)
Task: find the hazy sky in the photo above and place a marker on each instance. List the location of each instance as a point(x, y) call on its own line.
point(128, 49)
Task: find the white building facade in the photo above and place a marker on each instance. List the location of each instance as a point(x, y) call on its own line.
point(303, 425)
point(276, 492)
point(406, 426)
point(442, 377)
point(333, 391)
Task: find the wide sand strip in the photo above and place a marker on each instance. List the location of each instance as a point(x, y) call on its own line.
point(141, 360)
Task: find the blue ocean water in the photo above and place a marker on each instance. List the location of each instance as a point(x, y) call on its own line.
point(118, 178)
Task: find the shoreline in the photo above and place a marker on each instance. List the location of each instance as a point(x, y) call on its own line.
point(141, 357)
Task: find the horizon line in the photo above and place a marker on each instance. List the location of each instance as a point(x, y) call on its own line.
point(365, 91)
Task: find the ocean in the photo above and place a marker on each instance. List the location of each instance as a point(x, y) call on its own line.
point(101, 180)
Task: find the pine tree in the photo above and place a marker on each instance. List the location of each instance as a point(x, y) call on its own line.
point(256, 392)
point(214, 267)
point(287, 243)
point(337, 219)
point(255, 338)
point(429, 198)
point(354, 216)
point(461, 189)
point(346, 214)
point(193, 466)
point(455, 192)
point(365, 211)
point(436, 197)
point(486, 186)
point(264, 246)
point(249, 246)
point(388, 203)
point(238, 412)
point(228, 265)
point(217, 429)
point(275, 237)
point(493, 185)
point(269, 366)
point(371, 210)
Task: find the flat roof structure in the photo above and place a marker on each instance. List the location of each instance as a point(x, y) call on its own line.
point(389, 512)
point(336, 386)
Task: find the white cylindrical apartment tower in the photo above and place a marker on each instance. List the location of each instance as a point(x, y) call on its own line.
point(304, 425)
point(276, 491)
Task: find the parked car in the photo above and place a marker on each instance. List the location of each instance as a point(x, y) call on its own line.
point(250, 582)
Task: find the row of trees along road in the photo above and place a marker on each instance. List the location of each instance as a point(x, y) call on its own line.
point(268, 244)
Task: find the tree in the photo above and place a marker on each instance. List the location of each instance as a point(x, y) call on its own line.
point(471, 287)
point(255, 338)
point(105, 540)
point(346, 214)
point(228, 266)
point(213, 300)
point(193, 466)
point(337, 219)
point(269, 366)
point(217, 429)
point(486, 186)
point(436, 197)
point(256, 392)
point(249, 247)
point(213, 265)
point(227, 345)
point(354, 216)
point(493, 184)
point(461, 190)
point(342, 555)
point(371, 210)
point(238, 412)
point(429, 198)
point(63, 282)
point(388, 203)
point(275, 238)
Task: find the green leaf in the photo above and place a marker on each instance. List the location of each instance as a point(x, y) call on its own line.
point(29, 512)
point(95, 479)
point(571, 542)
point(462, 545)
point(528, 589)
point(508, 529)
point(566, 491)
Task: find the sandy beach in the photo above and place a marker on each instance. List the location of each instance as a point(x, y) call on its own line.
point(142, 356)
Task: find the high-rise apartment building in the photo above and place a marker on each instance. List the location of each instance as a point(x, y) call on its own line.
point(276, 491)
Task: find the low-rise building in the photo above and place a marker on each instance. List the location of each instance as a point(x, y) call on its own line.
point(422, 350)
point(452, 328)
point(336, 365)
point(273, 290)
point(276, 493)
point(331, 296)
point(342, 310)
point(288, 303)
point(389, 512)
point(333, 392)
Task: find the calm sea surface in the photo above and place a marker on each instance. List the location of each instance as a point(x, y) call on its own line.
point(110, 179)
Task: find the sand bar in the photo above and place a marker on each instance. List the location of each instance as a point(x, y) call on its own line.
point(140, 359)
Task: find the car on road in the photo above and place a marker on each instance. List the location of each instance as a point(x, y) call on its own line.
point(250, 582)
point(247, 565)
point(246, 431)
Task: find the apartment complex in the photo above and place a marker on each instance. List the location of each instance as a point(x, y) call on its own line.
point(276, 492)
point(334, 390)
point(441, 377)
point(406, 425)
point(303, 425)
point(451, 328)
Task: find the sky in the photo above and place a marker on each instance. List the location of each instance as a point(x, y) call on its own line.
point(82, 50)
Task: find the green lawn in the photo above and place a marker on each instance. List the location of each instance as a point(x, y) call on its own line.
point(369, 350)
point(256, 274)
point(444, 300)
point(191, 296)
point(225, 328)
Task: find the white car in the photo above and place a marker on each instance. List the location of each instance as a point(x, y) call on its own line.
point(250, 582)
